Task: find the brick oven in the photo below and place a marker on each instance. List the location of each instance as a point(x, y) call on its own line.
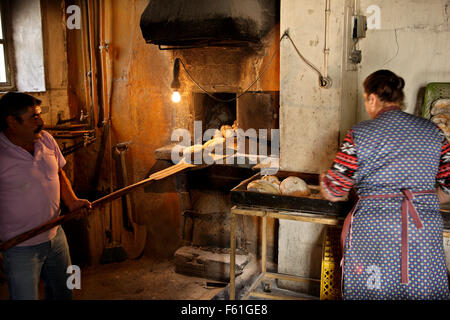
point(220, 58)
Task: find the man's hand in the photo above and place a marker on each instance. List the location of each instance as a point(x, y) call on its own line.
point(79, 203)
point(69, 198)
point(84, 205)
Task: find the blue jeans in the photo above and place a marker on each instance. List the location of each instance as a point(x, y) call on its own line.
point(25, 265)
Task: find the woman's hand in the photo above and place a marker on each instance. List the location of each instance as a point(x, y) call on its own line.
point(324, 192)
point(442, 196)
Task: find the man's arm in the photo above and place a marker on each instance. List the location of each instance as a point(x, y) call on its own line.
point(68, 196)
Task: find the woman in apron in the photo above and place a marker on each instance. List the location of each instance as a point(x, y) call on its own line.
point(392, 239)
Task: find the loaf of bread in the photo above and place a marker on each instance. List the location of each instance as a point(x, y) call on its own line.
point(445, 129)
point(272, 179)
point(440, 106)
point(234, 126)
point(442, 118)
point(189, 152)
point(263, 186)
point(211, 144)
point(193, 149)
point(217, 134)
point(294, 186)
point(227, 131)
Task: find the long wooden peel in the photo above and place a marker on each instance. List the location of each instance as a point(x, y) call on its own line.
point(78, 213)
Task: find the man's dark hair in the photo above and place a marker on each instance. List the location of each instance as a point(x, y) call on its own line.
point(15, 104)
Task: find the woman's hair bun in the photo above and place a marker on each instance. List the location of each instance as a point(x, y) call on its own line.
point(401, 83)
point(386, 85)
point(396, 82)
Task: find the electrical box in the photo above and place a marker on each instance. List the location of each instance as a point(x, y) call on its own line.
point(359, 27)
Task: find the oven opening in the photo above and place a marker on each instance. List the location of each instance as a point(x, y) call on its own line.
point(252, 120)
point(215, 113)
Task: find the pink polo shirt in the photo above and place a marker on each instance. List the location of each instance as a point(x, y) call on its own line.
point(29, 188)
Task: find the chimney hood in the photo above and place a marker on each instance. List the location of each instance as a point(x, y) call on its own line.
point(179, 24)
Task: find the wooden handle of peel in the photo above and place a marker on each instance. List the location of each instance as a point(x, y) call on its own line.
point(77, 213)
point(69, 216)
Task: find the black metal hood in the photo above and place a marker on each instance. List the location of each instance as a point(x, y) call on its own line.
point(198, 23)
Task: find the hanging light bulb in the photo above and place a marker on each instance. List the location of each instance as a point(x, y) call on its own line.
point(176, 97)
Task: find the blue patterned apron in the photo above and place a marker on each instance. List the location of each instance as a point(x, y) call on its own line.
point(398, 160)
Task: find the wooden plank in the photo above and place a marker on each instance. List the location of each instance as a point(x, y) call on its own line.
point(320, 220)
point(275, 297)
point(253, 286)
point(248, 212)
point(283, 276)
point(117, 221)
point(245, 182)
point(232, 256)
point(96, 226)
point(170, 170)
point(264, 244)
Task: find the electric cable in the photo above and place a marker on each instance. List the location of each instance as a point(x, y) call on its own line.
point(323, 81)
point(246, 90)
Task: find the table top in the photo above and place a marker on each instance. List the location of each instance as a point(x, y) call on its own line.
point(318, 218)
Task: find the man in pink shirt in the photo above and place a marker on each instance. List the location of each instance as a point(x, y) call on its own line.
point(32, 183)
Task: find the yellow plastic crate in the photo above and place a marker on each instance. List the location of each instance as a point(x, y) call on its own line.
point(330, 280)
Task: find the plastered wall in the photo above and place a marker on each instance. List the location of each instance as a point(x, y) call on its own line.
point(310, 116)
point(413, 41)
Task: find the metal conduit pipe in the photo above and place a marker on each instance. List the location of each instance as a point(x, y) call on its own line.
point(93, 60)
point(104, 59)
point(67, 128)
point(326, 50)
point(75, 147)
point(87, 64)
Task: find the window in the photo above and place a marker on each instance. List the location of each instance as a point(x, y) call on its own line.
point(21, 46)
point(6, 76)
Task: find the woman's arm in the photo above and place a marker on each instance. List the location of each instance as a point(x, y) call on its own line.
point(325, 194)
point(443, 197)
point(336, 183)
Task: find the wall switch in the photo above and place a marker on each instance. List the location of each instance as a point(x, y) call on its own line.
point(359, 27)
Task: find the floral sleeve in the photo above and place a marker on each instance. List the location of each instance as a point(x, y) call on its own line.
point(340, 178)
point(443, 176)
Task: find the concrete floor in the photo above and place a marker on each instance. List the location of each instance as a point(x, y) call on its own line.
point(142, 279)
